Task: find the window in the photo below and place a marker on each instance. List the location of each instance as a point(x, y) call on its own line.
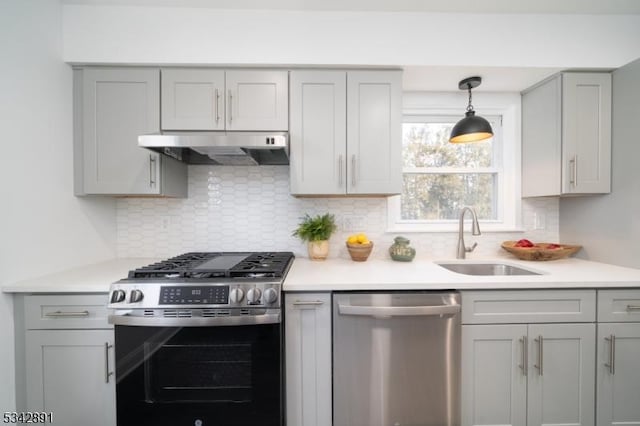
point(440, 178)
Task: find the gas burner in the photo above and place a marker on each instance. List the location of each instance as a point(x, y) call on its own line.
point(216, 265)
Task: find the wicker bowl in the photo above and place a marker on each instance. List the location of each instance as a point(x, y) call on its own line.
point(360, 252)
point(540, 251)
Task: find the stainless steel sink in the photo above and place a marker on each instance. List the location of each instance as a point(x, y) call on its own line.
point(486, 269)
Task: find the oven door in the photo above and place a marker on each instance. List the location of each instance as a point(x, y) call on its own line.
point(198, 376)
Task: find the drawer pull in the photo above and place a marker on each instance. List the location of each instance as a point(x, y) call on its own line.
point(633, 308)
point(60, 314)
point(308, 303)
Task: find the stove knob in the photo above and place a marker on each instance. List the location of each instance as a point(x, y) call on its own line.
point(253, 296)
point(236, 295)
point(117, 296)
point(270, 295)
point(136, 296)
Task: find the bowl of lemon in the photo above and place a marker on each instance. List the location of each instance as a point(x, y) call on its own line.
point(359, 247)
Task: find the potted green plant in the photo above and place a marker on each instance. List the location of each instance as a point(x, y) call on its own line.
point(316, 232)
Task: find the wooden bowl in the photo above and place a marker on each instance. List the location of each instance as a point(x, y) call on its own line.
point(360, 252)
point(540, 251)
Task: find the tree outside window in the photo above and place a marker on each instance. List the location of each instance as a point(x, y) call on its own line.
point(440, 178)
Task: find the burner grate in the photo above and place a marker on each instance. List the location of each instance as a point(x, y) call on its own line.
point(188, 265)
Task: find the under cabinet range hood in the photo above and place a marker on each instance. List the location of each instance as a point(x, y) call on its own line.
point(221, 148)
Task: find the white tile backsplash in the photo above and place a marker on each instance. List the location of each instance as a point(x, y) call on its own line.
point(240, 208)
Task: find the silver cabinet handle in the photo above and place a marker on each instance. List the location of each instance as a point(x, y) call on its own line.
point(230, 106)
point(340, 170)
point(353, 170)
point(61, 314)
point(400, 311)
point(217, 105)
point(308, 303)
point(107, 373)
point(632, 308)
point(152, 170)
point(540, 365)
point(612, 353)
point(573, 163)
point(525, 355)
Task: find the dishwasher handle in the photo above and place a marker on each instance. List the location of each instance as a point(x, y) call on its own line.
point(398, 311)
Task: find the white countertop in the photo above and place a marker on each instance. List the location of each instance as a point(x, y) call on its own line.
point(374, 274)
point(94, 278)
point(377, 274)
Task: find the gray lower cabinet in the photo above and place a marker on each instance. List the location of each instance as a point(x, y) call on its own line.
point(528, 373)
point(70, 374)
point(68, 364)
point(618, 367)
point(112, 107)
point(308, 359)
point(494, 386)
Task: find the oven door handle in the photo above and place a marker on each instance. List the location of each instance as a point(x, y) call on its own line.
point(126, 319)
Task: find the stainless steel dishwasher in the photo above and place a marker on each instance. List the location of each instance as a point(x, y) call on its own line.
point(396, 359)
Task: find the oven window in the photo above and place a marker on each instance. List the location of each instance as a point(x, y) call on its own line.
point(198, 373)
point(213, 376)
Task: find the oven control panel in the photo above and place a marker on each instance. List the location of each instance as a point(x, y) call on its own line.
point(128, 294)
point(192, 295)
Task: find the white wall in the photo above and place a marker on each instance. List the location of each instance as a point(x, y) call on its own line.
point(608, 226)
point(121, 34)
point(44, 227)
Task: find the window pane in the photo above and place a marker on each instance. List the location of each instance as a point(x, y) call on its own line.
point(441, 196)
point(427, 145)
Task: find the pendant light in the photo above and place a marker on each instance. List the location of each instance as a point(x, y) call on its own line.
point(471, 128)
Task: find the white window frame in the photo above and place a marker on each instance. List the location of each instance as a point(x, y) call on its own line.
point(505, 107)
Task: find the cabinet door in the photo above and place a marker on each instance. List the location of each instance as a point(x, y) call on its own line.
point(308, 359)
point(618, 374)
point(374, 132)
point(494, 382)
point(561, 380)
point(192, 99)
point(118, 105)
point(68, 374)
point(257, 100)
point(318, 132)
point(586, 134)
point(542, 139)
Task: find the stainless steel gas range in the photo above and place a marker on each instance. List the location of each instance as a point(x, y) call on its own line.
point(198, 340)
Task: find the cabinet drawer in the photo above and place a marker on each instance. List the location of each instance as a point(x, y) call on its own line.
point(66, 311)
point(528, 306)
point(618, 305)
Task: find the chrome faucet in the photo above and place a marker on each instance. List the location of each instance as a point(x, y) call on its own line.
point(475, 230)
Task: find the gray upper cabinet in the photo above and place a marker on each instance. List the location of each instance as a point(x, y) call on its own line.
point(193, 99)
point(566, 136)
point(112, 107)
point(318, 132)
point(216, 99)
point(346, 132)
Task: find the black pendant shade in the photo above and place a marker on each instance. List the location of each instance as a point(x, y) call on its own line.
point(472, 128)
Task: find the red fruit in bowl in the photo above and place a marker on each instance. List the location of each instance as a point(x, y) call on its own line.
point(524, 243)
point(553, 246)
